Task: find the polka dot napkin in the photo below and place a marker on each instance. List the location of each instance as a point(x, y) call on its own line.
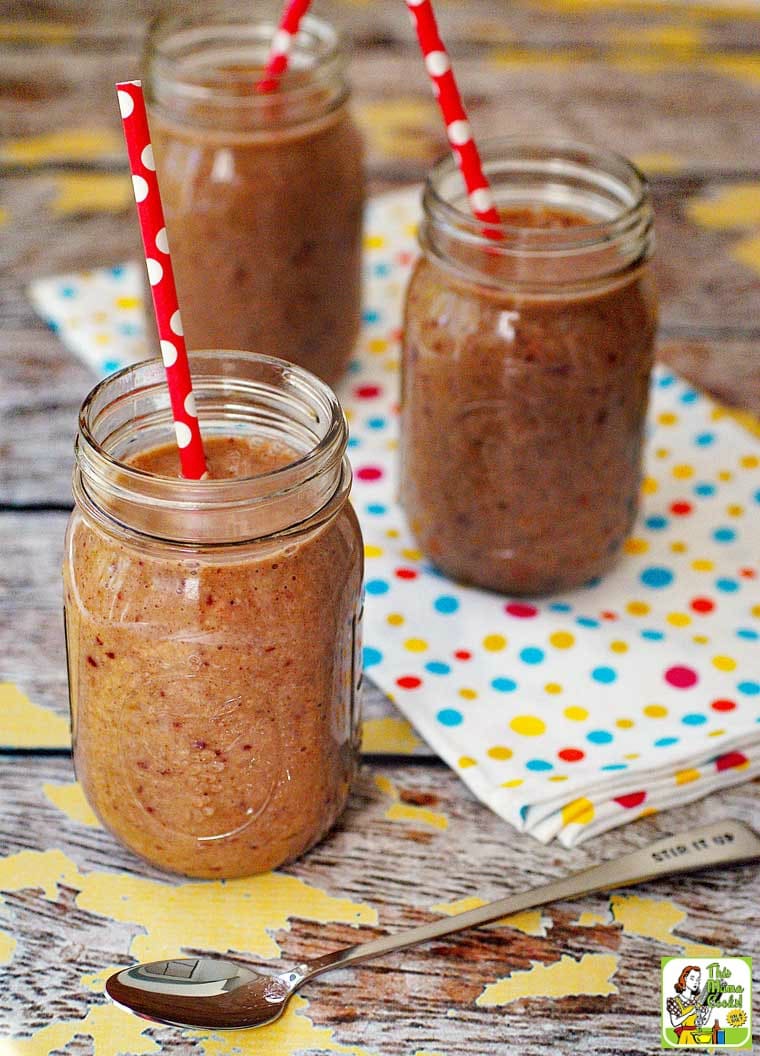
point(568, 715)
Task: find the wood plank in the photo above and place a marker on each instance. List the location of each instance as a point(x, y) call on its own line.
point(423, 998)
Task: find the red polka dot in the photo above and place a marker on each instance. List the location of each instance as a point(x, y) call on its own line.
point(681, 677)
point(409, 682)
point(730, 760)
point(748, 573)
point(369, 473)
point(405, 573)
point(606, 615)
point(570, 755)
point(367, 392)
point(463, 654)
point(404, 258)
point(633, 799)
point(703, 605)
point(521, 611)
point(723, 705)
point(397, 334)
point(681, 509)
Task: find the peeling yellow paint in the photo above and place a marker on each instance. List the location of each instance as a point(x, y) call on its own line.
point(3, 217)
point(389, 735)
point(91, 193)
point(715, 9)
point(528, 921)
point(399, 811)
point(743, 67)
point(515, 58)
point(66, 144)
point(404, 127)
point(591, 975)
point(38, 869)
point(113, 1031)
point(588, 919)
point(27, 725)
point(7, 947)
point(386, 786)
point(734, 205)
point(654, 919)
point(658, 162)
point(747, 252)
point(70, 799)
point(676, 37)
point(36, 31)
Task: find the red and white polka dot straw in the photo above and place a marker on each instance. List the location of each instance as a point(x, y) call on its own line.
point(438, 66)
point(282, 43)
point(150, 213)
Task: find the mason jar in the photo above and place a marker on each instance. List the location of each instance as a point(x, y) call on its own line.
point(263, 192)
point(213, 626)
point(527, 353)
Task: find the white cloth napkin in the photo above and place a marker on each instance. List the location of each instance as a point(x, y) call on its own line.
point(570, 715)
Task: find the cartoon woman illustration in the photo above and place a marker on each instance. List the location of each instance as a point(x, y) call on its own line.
point(687, 1011)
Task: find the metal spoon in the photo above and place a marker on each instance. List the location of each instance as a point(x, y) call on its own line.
point(219, 994)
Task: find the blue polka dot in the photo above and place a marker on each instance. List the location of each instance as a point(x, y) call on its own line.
point(437, 667)
point(704, 439)
point(117, 270)
point(432, 570)
point(538, 764)
point(376, 586)
point(724, 535)
point(656, 577)
point(110, 365)
point(561, 606)
point(749, 689)
point(446, 604)
point(371, 315)
point(450, 717)
point(690, 396)
point(353, 441)
point(587, 621)
point(604, 675)
point(376, 509)
point(614, 766)
point(53, 325)
point(504, 685)
point(664, 742)
point(599, 737)
point(748, 634)
point(376, 423)
point(524, 810)
point(531, 654)
point(371, 656)
point(68, 292)
point(704, 489)
point(652, 635)
point(381, 270)
point(354, 366)
point(129, 329)
point(593, 582)
point(757, 495)
point(665, 381)
point(728, 586)
point(656, 523)
point(694, 719)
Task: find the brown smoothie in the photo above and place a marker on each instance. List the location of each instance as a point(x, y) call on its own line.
point(214, 690)
point(265, 230)
point(523, 417)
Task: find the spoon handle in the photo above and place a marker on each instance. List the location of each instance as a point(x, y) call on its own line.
point(720, 843)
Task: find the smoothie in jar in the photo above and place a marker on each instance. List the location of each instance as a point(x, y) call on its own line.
point(526, 370)
point(263, 193)
point(213, 627)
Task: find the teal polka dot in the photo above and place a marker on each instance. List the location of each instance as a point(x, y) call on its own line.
point(504, 685)
point(665, 381)
point(446, 604)
point(450, 717)
point(376, 509)
point(562, 606)
point(371, 656)
point(656, 523)
point(665, 742)
point(604, 675)
point(749, 689)
point(728, 586)
point(704, 439)
point(538, 765)
point(531, 654)
point(748, 634)
point(599, 737)
point(652, 635)
point(656, 577)
point(376, 586)
point(587, 621)
point(694, 719)
point(437, 667)
point(614, 766)
point(724, 535)
point(704, 490)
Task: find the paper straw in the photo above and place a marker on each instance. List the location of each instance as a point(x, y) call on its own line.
point(150, 213)
point(282, 42)
point(438, 66)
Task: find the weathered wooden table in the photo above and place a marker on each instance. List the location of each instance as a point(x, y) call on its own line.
point(674, 85)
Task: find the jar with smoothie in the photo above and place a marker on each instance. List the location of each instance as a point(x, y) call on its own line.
point(213, 626)
point(263, 192)
point(526, 367)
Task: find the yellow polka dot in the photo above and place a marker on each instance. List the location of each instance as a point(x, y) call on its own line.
point(755, 610)
point(515, 782)
point(647, 812)
point(655, 711)
point(416, 645)
point(500, 751)
point(395, 619)
point(637, 608)
point(716, 733)
point(631, 755)
point(725, 475)
point(678, 547)
point(372, 551)
point(678, 619)
point(465, 761)
point(494, 642)
point(619, 647)
point(468, 694)
point(100, 317)
point(683, 472)
point(649, 486)
point(391, 445)
point(410, 554)
point(579, 812)
point(128, 302)
point(374, 241)
point(102, 339)
point(703, 565)
point(749, 462)
point(528, 725)
point(636, 546)
point(575, 713)
point(624, 724)
point(684, 777)
point(734, 510)
point(392, 533)
point(662, 452)
point(378, 345)
point(667, 418)
point(700, 639)
point(558, 777)
point(724, 663)
point(562, 640)
point(718, 413)
point(553, 688)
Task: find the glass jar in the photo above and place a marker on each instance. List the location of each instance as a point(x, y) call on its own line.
point(526, 366)
point(213, 626)
point(263, 192)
